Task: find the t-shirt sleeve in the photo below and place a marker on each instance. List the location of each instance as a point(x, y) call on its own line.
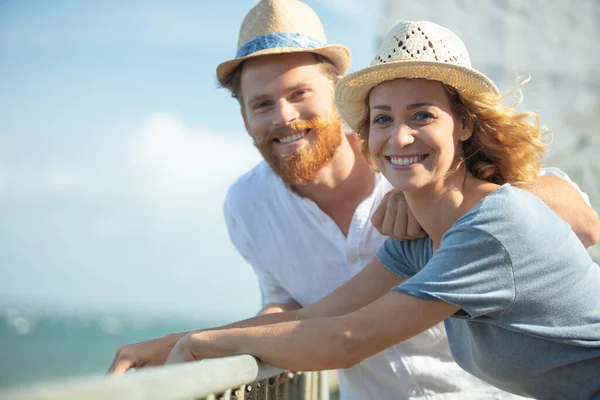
point(471, 270)
point(403, 257)
point(270, 288)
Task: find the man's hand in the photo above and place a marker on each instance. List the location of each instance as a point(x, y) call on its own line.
point(394, 218)
point(143, 354)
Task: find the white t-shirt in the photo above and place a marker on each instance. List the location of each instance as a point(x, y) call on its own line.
point(299, 253)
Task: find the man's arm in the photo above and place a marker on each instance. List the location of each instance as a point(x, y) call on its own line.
point(394, 218)
point(367, 286)
point(155, 351)
point(143, 354)
point(273, 308)
point(569, 205)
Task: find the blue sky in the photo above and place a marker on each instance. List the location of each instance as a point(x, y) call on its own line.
point(117, 148)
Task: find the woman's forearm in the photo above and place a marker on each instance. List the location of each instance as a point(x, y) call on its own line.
point(309, 345)
point(321, 343)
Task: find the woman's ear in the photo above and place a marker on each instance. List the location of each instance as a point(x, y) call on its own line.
point(467, 128)
point(465, 135)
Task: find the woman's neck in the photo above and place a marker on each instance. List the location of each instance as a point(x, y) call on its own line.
point(438, 207)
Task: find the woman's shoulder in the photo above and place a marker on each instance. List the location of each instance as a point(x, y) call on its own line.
point(507, 195)
point(511, 201)
point(509, 208)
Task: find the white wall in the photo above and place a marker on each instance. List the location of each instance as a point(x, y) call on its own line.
point(555, 41)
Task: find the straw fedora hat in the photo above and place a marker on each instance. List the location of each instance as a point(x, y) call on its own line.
point(283, 26)
point(411, 50)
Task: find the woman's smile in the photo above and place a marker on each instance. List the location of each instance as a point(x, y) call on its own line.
point(404, 162)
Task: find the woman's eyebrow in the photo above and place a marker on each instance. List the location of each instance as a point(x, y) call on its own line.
point(408, 107)
point(417, 105)
point(385, 108)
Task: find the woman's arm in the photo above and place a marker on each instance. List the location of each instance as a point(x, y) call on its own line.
point(368, 285)
point(323, 343)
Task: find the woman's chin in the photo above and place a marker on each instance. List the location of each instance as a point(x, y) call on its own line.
point(404, 185)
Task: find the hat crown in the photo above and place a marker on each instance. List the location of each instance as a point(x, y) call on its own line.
point(278, 16)
point(282, 27)
point(422, 41)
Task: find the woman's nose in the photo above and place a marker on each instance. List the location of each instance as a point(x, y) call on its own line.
point(402, 137)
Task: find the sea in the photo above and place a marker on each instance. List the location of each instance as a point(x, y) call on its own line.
point(46, 346)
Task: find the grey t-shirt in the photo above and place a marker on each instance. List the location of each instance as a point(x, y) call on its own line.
point(529, 295)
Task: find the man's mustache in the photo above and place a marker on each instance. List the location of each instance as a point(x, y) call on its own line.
point(287, 130)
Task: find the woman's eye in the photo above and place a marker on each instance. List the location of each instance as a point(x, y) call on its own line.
point(382, 119)
point(423, 116)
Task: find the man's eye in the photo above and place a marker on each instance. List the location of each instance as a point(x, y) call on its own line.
point(299, 93)
point(262, 104)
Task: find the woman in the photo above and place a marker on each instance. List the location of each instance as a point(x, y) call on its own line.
point(517, 290)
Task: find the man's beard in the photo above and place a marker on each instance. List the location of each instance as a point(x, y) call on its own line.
point(303, 164)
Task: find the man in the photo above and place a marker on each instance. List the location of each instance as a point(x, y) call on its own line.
point(301, 219)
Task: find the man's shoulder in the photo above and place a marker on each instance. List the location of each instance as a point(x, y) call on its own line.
point(253, 185)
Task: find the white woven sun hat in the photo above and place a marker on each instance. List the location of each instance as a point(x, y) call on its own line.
point(411, 50)
point(283, 26)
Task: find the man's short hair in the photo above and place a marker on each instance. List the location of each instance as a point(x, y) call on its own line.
point(233, 81)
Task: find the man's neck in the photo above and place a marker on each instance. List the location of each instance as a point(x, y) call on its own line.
point(342, 184)
point(347, 176)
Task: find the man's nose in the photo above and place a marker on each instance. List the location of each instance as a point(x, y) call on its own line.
point(287, 113)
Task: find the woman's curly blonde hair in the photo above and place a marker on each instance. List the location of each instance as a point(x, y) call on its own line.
point(506, 145)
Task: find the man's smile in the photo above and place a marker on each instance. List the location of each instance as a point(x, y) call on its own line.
point(292, 137)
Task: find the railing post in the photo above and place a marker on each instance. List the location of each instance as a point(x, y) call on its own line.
point(238, 394)
point(305, 386)
point(291, 386)
point(250, 392)
point(323, 385)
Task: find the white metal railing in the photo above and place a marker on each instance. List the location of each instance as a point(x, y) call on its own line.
point(229, 378)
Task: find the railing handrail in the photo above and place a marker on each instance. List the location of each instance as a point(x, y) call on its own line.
point(189, 380)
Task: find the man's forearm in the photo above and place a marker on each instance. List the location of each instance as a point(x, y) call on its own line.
point(266, 319)
point(273, 308)
point(569, 205)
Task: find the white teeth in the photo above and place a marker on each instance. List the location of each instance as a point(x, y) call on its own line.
point(290, 139)
point(406, 160)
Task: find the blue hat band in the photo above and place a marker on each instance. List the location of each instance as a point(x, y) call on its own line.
point(280, 39)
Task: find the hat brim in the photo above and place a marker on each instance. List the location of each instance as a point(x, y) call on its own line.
point(338, 54)
point(352, 90)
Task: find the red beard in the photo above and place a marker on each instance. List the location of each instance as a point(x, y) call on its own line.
point(303, 164)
